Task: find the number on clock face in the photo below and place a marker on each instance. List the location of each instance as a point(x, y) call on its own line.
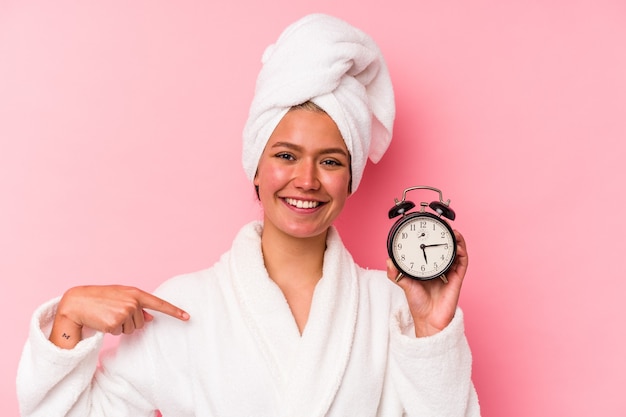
point(423, 247)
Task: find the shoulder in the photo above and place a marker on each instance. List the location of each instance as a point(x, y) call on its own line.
point(210, 288)
point(196, 288)
point(186, 282)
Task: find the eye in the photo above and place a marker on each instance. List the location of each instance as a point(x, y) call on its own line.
point(285, 155)
point(332, 162)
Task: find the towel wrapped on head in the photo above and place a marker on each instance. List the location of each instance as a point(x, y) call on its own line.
point(340, 68)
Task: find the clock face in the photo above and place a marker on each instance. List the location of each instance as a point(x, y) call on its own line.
point(422, 246)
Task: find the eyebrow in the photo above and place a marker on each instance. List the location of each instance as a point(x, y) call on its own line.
point(325, 151)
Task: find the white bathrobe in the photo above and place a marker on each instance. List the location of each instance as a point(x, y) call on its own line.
point(241, 353)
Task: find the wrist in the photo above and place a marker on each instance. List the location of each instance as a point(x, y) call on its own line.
point(65, 333)
point(431, 325)
point(424, 329)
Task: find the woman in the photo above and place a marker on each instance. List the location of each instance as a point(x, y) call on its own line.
point(285, 324)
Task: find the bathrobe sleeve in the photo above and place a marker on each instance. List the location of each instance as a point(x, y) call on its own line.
point(54, 382)
point(431, 376)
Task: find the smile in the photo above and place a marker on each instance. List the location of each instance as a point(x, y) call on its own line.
point(301, 203)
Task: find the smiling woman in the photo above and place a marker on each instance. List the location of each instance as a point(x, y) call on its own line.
point(286, 323)
point(303, 182)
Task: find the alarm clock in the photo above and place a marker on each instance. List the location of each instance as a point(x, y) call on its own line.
point(421, 244)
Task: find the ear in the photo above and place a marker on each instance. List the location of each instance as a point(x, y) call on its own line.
point(256, 186)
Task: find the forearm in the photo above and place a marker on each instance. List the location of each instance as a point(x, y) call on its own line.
point(44, 369)
point(432, 375)
point(60, 358)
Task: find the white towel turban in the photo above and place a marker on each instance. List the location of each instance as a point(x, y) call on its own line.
point(327, 61)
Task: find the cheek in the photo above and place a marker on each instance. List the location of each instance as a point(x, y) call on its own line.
point(339, 185)
point(269, 178)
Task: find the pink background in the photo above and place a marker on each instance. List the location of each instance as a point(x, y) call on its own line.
point(120, 132)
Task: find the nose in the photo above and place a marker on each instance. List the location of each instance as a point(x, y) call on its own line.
point(306, 175)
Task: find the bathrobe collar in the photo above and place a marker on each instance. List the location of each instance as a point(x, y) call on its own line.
point(307, 369)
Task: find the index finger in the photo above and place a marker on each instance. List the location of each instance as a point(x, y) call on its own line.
point(461, 252)
point(155, 303)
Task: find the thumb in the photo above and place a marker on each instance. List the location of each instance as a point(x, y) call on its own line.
point(147, 316)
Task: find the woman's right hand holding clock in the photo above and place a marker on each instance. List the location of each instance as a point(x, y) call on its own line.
point(433, 303)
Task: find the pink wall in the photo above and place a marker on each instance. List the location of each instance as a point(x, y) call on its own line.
point(120, 163)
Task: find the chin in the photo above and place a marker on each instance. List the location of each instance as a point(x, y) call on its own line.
point(303, 231)
point(307, 233)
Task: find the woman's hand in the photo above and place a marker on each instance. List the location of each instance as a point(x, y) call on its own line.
point(111, 309)
point(433, 303)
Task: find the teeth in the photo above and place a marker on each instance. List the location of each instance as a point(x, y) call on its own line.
point(301, 203)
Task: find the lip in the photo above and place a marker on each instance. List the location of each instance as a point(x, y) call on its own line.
point(304, 204)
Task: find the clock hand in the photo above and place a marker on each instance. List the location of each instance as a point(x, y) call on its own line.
point(423, 247)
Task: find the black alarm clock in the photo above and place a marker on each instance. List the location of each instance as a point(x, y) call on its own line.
point(421, 244)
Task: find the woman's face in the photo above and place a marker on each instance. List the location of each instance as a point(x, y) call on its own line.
point(303, 175)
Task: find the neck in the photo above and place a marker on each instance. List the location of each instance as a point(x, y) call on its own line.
point(295, 265)
point(292, 261)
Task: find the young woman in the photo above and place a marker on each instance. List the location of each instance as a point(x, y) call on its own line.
point(285, 324)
